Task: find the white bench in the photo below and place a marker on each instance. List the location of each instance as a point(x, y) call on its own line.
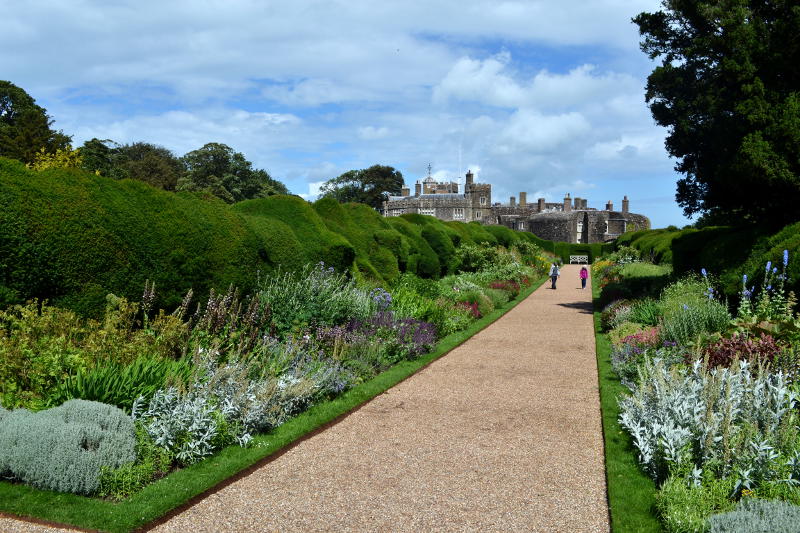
point(578, 259)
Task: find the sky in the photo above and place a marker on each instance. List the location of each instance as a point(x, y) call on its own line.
point(540, 96)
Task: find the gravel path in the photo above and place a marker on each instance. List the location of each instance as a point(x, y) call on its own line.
point(501, 434)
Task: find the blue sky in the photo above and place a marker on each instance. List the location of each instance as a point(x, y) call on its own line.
point(545, 97)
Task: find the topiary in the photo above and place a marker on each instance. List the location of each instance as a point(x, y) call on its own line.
point(757, 516)
point(65, 448)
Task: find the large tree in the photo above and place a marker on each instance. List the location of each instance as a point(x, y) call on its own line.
point(367, 186)
point(25, 126)
point(217, 169)
point(141, 161)
point(728, 89)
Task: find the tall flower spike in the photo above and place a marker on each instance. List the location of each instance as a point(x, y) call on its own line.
point(785, 257)
point(703, 272)
point(769, 265)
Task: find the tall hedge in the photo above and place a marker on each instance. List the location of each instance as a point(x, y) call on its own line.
point(72, 237)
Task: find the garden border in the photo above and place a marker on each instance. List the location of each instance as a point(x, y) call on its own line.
point(174, 493)
point(631, 493)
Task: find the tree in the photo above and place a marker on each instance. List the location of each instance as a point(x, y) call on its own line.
point(141, 161)
point(216, 168)
point(367, 186)
point(25, 126)
point(66, 158)
point(728, 89)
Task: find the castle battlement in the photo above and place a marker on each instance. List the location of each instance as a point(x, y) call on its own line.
point(570, 220)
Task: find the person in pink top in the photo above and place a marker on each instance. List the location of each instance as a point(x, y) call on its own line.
point(584, 276)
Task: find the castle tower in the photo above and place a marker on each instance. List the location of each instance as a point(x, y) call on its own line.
point(512, 201)
point(567, 203)
point(417, 188)
point(405, 191)
point(540, 205)
point(577, 203)
point(625, 204)
point(523, 199)
point(609, 206)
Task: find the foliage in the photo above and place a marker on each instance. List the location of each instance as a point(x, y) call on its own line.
point(152, 462)
point(624, 255)
point(759, 350)
point(120, 384)
point(684, 506)
point(687, 323)
point(755, 516)
point(316, 295)
point(727, 90)
point(61, 158)
point(646, 311)
point(367, 186)
point(25, 126)
point(623, 331)
point(64, 448)
point(218, 170)
point(726, 421)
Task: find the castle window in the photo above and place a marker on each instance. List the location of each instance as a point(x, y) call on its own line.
point(521, 225)
point(428, 211)
point(478, 213)
point(483, 200)
point(458, 213)
point(606, 226)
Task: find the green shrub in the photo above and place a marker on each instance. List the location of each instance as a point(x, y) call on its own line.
point(422, 260)
point(120, 384)
point(646, 311)
point(65, 448)
point(151, 462)
point(757, 516)
point(685, 507)
point(686, 324)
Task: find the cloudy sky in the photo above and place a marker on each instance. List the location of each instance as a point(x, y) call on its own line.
point(542, 96)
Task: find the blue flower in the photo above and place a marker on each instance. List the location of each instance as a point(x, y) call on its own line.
point(774, 270)
point(769, 265)
point(769, 287)
point(744, 278)
point(685, 307)
point(785, 257)
point(703, 272)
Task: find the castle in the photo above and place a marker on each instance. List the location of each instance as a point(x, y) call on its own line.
point(568, 221)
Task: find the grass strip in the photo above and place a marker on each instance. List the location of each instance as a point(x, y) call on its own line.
point(166, 494)
point(631, 493)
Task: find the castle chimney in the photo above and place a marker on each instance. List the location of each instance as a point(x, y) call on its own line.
point(583, 203)
point(567, 203)
point(512, 202)
point(470, 177)
point(523, 199)
point(417, 189)
point(576, 203)
point(540, 205)
point(405, 191)
point(609, 206)
point(625, 204)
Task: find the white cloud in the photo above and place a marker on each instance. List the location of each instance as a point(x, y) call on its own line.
point(370, 133)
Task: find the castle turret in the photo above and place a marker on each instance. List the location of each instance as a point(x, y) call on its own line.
point(523, 199)
point(567, 203)
point(405, 191)
point(417, 189)
point(625, 204)
point(540, 205)
point(512, 201)
point(470, 177)
point(577, 203)
point(609, 206)
point(584, 203)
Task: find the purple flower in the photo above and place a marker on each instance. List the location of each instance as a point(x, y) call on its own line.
point(685, 307)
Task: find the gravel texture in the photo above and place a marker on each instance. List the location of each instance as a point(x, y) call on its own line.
point(501, 434)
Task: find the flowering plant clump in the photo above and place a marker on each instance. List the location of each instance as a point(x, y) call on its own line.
point(647, 338)
point(472, 307)
point(771, 302)
point(508, 285)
